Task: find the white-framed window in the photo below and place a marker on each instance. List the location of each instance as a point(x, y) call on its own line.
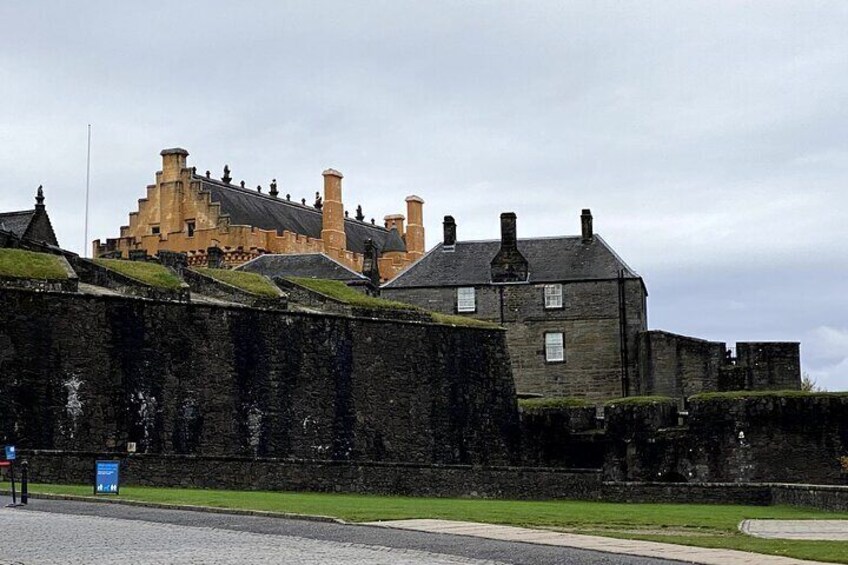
point(554, 347)
point(553, 296)
point(465, 299)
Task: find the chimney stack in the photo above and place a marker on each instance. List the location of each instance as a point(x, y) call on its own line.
point(415, 227)
point(333, 230)
point(509, 235)
point(509, 265)
point(449, 231)
point(395, 221)
point(586, 223)
point(173, 162)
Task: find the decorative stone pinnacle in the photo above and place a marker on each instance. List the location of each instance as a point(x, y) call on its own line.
point(227, 178)
point(39, 196)
point(273, 192)
point(242, 184)
point(359, 215)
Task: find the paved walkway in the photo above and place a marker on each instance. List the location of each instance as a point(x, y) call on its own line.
point(833, 530)
point(611, 545)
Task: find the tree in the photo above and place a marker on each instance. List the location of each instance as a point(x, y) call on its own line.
point(809, 384)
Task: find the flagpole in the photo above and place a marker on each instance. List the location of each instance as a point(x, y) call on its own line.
point(87, 185)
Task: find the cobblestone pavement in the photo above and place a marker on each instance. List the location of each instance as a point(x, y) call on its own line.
point(52, 532)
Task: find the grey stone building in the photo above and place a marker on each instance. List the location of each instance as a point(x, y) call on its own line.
point(29, 225)
point(576, 319)
point(572, 307)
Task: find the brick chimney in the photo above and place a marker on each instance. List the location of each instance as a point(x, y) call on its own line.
point(395, 221)
point(449, 226)
point(173, 162)
point(333, 232)
point(415, 228)
point(586, 224)
point(509, 265)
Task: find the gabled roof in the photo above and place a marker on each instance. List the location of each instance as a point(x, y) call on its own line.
point(551, 259)
point(251, 208)
point(16, 222)
point(304, 265)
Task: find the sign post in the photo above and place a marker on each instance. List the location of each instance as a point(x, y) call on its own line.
point(106, 477)
point(11, 454)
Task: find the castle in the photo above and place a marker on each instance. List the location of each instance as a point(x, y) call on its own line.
point(189, 213)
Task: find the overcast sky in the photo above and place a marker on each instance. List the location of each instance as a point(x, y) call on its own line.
point(709, 139)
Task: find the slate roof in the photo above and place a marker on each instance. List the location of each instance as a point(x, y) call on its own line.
point(16, 222)
point(552, 259)
point(251, 208)
point(305, 265)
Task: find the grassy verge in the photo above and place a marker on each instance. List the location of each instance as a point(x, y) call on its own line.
point(253, 283)
point(688, 524)
point(19, 263)
point(766, 394)
point(551, 403)
point(152, 274)
point(343, 293)
point(640, 400)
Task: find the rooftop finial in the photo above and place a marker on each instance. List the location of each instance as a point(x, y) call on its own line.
point(226, 178)
point(208, 174)
point(242, 184)
point(319, 202)
point(259, 188)
point(273, 192)
point(303, 201)
point(359, 215)
point(39, 196)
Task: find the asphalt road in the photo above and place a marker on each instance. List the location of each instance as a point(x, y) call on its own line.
point(48, 532)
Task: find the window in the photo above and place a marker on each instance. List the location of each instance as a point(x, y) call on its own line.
point(553, 296)
point(154, 230)
point(554, 349)
point(190, 228)
point(465, 301)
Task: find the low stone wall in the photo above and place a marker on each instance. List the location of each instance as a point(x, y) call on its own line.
point(823, 497)
point(208, 286)
point(244, 473)
point(91, 273)
point(528, 483)
point(41, 285)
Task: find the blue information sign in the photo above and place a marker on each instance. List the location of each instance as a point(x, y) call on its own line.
point(10, 452)
point(106, 477)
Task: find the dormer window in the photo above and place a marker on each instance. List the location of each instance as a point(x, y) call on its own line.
point(553, 296)
point(190, 228)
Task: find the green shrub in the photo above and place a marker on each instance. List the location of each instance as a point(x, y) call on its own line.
point(22, 264)
point(152, 274)
point(253, 283)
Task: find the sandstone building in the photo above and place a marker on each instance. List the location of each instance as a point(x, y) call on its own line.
point(576, 319)
point(187, 212)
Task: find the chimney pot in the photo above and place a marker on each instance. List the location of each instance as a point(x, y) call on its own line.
point(449, 231)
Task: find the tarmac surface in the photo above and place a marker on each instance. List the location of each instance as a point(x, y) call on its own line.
point(70, 532)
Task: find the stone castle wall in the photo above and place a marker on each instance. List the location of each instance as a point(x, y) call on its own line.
point(83, 372)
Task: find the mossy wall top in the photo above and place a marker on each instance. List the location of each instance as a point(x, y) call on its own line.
point(93, 373)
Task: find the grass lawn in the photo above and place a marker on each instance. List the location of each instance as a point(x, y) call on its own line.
point(253, 283)
point(152, 274)
point(19, 263)
point(688, 524)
